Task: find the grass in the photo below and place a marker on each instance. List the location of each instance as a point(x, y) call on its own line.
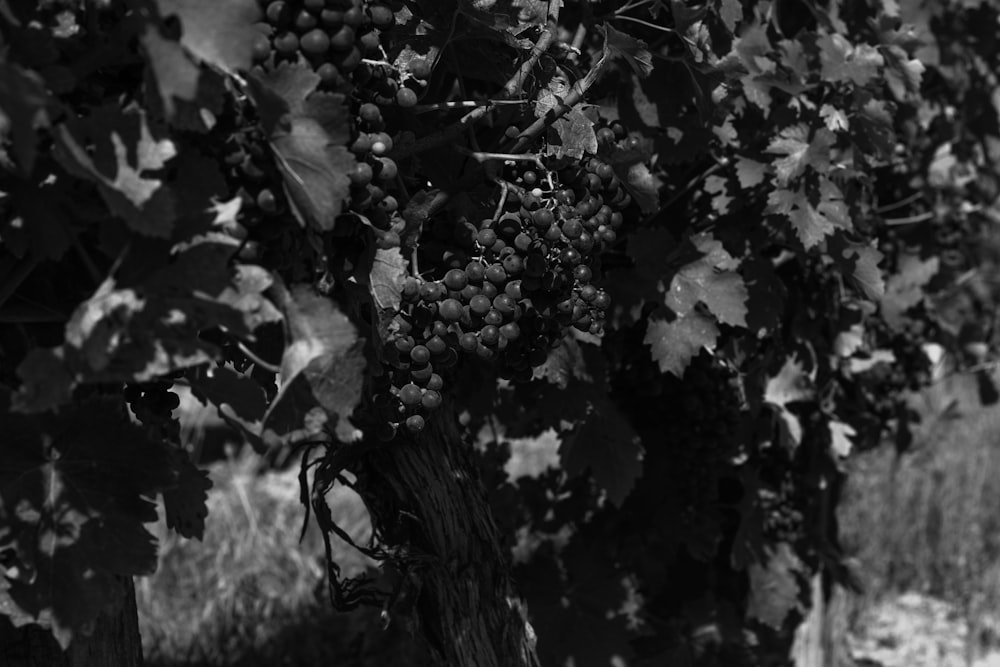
point(929, 521)
point(250, 594)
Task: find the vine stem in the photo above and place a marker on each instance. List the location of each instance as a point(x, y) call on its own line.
point(576, 93)
point(252, 356)
point(511, 88)
point(465, 104)
point(483, 156)
point(921, 217)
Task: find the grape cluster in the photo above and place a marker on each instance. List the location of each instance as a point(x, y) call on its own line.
point(333, 36)
point(153, 403)
point(528, 274)
point(373, 173)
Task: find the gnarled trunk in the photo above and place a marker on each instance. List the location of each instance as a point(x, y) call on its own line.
point(465, 606)
point(115, 641)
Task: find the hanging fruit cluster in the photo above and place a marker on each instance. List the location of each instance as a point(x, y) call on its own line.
point(530, 275)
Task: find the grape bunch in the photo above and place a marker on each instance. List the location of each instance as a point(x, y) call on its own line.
point(333, 36)
point(528, 274)
point(153, 403)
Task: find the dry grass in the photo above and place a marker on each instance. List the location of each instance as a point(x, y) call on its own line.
point(930, 520)
point(250, 594)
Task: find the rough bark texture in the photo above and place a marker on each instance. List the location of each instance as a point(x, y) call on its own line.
point(115, 641)
point(465, 605)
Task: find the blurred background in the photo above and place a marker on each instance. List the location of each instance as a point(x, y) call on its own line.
point(923, 529)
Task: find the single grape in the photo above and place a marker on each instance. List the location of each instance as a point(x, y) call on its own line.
point(286, 43)
point(420, 354)
point(315, 42)
point(389, 169)
point(343, 39)
point(382, 16)
point(582, 274)
point(431, 400)
point(480, 304)
point(493, 317)
point(305, 21)
point(489, 335)
point(404, 344)
point(468, 342)
point(355, 16)
point(261, 48)
point(415, 423)
point(267, 201)
point(475, 271)
point(370, 113)
point(361, 174)
point(435, 383)
point(420, 68)
point(410, 394)
point(422, 374)
point(328, 74)
point(406, 97)
point(487, 238)
point(496, 274)
point(332, 19)
point(436, 345)
point(511, 331)
point(456, 279)
point(278, 13)
point(450, 310)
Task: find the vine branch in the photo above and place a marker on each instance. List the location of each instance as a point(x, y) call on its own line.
point(510, 89)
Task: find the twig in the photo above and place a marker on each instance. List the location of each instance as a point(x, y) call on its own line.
point(632, 5)
point(510, 89)
point(503, 200)
point(483, 156)
point(645, 23)
point(920, 217)
point(899, 204)
point(252, 356)
point(576, 93)
point(465, 104)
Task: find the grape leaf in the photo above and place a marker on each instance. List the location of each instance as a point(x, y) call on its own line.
point(842, 61)
point(605, 442)
point(223, 385)
point(750, 172)
point(840, 438)
point(25, 107)
point(903, 74)
point(800, 152)
point(323, 363)
point(859, 262)
point(674, 344)
point(185, 503)
point(177, 77)
point(812, 224)
point(73, 498)
point(387, 276)
point(125, 154)
point(792, 384)
point(220, 34)
point(716, 186)
point(905, 288)
point(731, 13)
point(617, 44)
point(572, 135)
point(774, 586)
point(710, 280)
point(307, 132)
point(140, 332)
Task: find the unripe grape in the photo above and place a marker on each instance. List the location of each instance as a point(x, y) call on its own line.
point(406, 97)
point(315, 42)
point(410, 394)
point(415, 423)
point(420, 354)
point(450, 310)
